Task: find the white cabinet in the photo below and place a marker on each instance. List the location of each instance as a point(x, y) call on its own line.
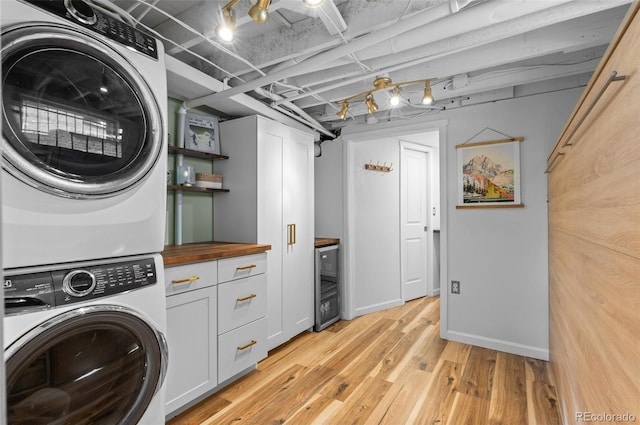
point(216, 325)
point(270, 176)
point(242, 310)
point(191, 332)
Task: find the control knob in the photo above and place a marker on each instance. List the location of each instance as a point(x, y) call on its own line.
point(81, 11)
point(79, 283)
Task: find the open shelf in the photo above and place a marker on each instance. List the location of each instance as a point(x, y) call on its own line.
point(196, 154)
point(194, 189)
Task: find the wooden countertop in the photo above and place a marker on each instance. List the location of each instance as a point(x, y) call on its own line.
point(320, 242)
point(175, 255)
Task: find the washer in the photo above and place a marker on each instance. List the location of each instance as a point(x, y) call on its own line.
point(84, 342)
point(84, 102)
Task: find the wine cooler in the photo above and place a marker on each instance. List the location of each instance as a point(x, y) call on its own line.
point(327, 287)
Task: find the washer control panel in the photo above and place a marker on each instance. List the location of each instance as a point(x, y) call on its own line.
point(99, 21)
point(46, 289)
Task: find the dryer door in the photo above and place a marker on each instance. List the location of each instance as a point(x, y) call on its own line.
point(78, 120)
point(100, 365)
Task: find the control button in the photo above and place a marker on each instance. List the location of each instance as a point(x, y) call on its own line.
point(81, 11)
point(79, 283)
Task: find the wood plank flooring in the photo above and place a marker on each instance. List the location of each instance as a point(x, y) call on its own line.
point(389, 367)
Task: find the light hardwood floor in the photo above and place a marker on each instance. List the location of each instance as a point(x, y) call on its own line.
point(389, 367)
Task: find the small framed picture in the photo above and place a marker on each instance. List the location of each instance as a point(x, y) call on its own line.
point(201, 133)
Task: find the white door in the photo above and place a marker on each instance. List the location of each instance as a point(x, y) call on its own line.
point(299, 253)
point(270, 224)
point(414, 222)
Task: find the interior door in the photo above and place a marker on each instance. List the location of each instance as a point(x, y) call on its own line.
point(414, 222)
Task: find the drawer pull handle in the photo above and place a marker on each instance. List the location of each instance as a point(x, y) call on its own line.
point(244, 347)
point(189, 279)
point(250, 266)
point(247, 298)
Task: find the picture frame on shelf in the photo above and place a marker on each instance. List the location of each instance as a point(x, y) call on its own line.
point(201, 133)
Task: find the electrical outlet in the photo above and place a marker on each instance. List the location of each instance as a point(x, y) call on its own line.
point(455, 286)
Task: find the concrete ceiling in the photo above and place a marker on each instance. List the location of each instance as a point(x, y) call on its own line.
point(304, 60)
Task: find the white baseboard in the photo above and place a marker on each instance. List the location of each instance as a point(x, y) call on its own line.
point(497, 344)
point(377, 307)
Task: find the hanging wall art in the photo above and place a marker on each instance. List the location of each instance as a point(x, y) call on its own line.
point(489, 174)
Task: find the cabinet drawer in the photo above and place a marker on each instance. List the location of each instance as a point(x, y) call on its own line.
point(241, 348)
point(239, 267)
point(241, 301)
point(190, 276)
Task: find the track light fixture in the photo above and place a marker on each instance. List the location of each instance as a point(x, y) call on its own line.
point(226, 28)
point(372, 107)
point(259, 12)
point(385, 83)
point(342, 113)
point(427, 98)
point(394, 100)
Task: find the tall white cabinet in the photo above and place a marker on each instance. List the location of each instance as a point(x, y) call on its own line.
point(270, 178)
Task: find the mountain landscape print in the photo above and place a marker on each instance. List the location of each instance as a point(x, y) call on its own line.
point(488, 174)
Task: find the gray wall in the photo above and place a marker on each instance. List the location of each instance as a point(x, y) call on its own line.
point(499, 255)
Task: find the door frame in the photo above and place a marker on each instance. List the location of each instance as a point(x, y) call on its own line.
point(404, 147)
point(351, 135)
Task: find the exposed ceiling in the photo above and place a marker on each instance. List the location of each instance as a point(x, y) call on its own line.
point(304, 60)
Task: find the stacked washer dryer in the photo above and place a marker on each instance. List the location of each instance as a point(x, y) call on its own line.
point(83, 212)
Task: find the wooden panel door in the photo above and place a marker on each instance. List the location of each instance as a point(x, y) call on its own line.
point(594, 241)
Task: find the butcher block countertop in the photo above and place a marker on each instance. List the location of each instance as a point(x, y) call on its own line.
point(175, 255)
point(320, 242)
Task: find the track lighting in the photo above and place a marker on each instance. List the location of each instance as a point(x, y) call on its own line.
point(259, 12)
point(227, 27)
point(342, 113)
point(313, 3)
point(225, 30)
point(394, 100)
point(372, 107)
point(427, 98)
point(385, 83)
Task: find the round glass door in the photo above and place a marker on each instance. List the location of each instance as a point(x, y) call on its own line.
point(94, 365)
point(78, 119)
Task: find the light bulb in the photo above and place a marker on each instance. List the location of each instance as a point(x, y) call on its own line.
point(427, 99)
point(224, 33)
point(394, 100)
point(313, 3)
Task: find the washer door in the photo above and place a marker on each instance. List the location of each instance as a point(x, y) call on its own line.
point(94, 365)
point(78, 120)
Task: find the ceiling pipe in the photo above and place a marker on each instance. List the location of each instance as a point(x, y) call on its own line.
point(302, 116)
point(425, 54)
point(423, 18)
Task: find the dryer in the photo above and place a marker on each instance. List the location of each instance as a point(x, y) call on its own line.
point(84, 110)
point(84, 342)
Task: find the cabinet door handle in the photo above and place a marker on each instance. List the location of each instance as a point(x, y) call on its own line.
point(247, 298)
point(189, 279)
point(244, 347)
point(295, 235)
point(250, 266)
point(289, 234)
